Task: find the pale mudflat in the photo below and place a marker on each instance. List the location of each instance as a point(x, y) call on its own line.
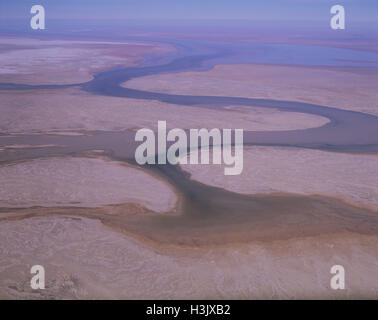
point(72, 109)
point(81, 182)
point(84, 259)
point(335, 87)
point(35, 61)
point(298, 171)
point(105, 229)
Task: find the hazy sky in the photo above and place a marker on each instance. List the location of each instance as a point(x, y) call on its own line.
point(191, 9)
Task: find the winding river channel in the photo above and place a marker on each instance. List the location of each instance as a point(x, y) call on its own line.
point(206, 212)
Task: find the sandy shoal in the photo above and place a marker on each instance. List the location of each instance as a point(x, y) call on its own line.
point(81, 182)
point(73, 109)
point(349, 177)
point(341, 88)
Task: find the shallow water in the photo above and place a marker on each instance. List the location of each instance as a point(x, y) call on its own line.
point(208, 212)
